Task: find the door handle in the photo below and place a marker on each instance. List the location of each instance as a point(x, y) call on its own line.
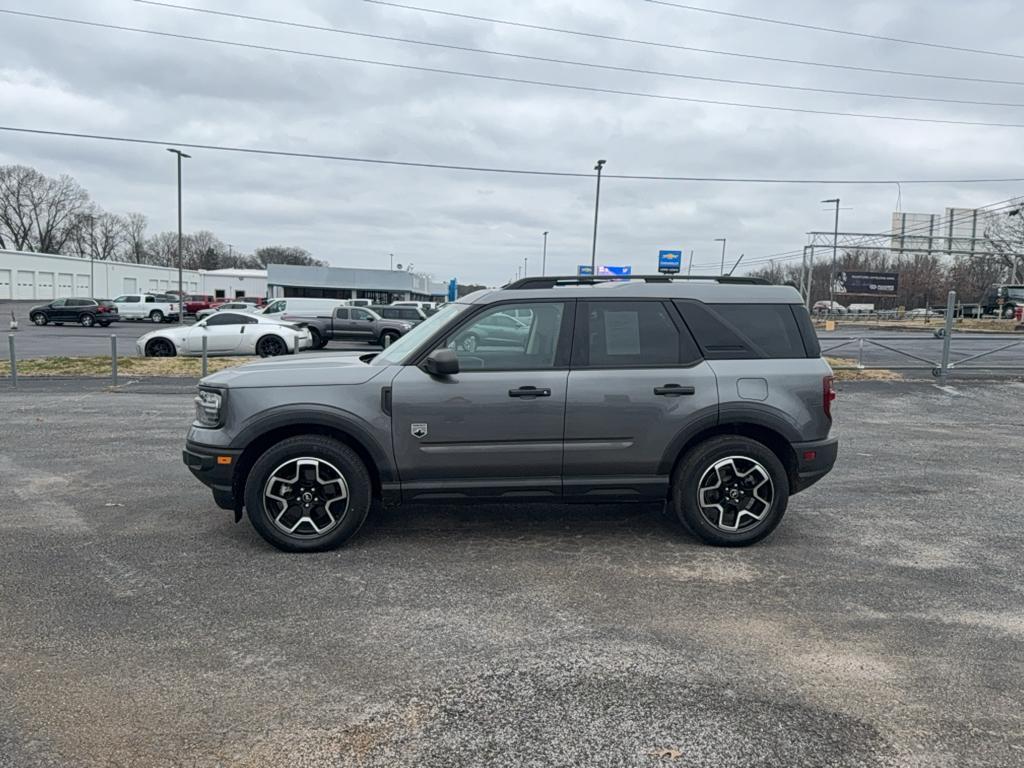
point(674, 390)
point(529, 392)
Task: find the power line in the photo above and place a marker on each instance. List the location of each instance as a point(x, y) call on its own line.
point(570, 62)
point(675, 46)
point(833, 30)
point(483, 169)
point(517, 80)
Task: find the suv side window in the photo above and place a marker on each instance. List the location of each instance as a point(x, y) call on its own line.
point(744, 331)
point(631, 334)
point(484, 343)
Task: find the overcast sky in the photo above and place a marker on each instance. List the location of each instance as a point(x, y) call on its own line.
point(476, 226)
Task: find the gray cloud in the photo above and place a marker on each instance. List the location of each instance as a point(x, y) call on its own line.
point(477, 227)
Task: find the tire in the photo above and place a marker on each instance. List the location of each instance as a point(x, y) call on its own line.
point(160, 348)
point(271, 346)
point(156, 316)
point(470, 343)
point(387, 338)
point(274, 505)
point(40, 319)
point(105, 323)
point(734, 522)
point(1009, 312)
point(318, 341)
point(86, 320)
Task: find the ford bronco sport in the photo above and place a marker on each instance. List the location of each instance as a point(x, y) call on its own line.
point(706, 394)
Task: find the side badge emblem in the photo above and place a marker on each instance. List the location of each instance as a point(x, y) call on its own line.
point(419, 430)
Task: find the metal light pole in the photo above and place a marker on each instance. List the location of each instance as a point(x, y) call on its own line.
point(544, 257)
point(231, 251)
point(722, 241)
point(597, 203)
point(1013, 277)
point(835, 247)
point(689, 267)
point(526, 264)
point(181, 292)
point(391, 262)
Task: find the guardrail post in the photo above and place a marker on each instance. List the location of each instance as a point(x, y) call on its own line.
point(947, 336)
point(204, 356)
point(113, 358)
point(860, 353)
point(14, 361)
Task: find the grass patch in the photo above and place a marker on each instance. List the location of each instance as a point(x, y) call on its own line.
point(126, 366)
point(867, 375)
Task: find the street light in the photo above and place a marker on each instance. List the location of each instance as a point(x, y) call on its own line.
point(722, 241)
point(526, 264)
point(391, 262)
point(597, 203)
point(544, 257)
point(181, 291)
point(835, 246)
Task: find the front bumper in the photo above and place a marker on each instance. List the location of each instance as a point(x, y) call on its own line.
point(214, 468)
point(814, 460)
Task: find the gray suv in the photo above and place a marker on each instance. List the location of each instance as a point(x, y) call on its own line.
point(708, 394)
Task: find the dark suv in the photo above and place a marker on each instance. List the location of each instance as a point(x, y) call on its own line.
point(707, 394)
point(86, 312)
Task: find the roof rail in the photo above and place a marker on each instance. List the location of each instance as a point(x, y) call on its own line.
point(556, 281)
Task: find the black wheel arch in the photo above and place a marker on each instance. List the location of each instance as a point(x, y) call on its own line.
point(757, 424)
point(311, 419)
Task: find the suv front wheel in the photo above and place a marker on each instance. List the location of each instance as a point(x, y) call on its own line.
point(308, 494)
point(730, 491)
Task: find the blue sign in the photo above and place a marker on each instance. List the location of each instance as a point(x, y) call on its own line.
point(670, 261)
point(453, 289)
point(585, 270)
point(614, 271)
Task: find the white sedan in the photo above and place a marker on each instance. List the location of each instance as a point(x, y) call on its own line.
point(231, 306)
point(227, 333)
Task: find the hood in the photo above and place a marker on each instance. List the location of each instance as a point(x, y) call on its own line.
point(302, 370)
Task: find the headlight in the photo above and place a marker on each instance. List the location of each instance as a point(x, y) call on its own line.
point(208, 408)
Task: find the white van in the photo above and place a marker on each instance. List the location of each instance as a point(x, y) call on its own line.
point(426, 306)
point(278, 307)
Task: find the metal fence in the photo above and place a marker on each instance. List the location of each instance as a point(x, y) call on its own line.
point(940, 367)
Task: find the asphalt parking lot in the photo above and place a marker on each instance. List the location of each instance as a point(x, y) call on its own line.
point(881, 625)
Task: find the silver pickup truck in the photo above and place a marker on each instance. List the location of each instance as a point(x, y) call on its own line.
point(348, 324)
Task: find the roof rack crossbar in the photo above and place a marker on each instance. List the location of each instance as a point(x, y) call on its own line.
point(557, 281)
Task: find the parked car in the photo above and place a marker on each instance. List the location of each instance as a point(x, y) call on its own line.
point(499, 329)
point(350, 324)
point(923, 312)
point(709, 396)
point(258, 301)
point(412, 315)
point(86, 312)
point(828, 308)
point(278, 307)
point(226, 333)
point(424, 305)
point(143, 306)
point(231, 306)
point(194, 302)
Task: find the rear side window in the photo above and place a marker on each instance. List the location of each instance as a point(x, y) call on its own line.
point(630, 334)
point(743, 331)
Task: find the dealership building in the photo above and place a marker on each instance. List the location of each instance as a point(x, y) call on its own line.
point(28, 276)
point(379, 285)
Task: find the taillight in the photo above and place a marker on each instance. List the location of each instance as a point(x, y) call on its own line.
point(102, 308)
point(828, 394)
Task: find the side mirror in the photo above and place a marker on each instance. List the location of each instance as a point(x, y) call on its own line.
point(442, 362)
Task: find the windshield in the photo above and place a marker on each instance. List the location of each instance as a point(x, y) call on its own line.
point(407, 343)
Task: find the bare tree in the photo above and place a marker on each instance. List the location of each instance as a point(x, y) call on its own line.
point(38, 213)
point(135, 238)
point(162, 249)
point(287, 254)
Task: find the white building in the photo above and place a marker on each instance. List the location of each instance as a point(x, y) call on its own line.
point(44, 276)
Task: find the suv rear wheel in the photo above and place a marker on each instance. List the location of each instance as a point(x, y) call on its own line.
point(308, 494)
point(730, 491)
point(87, 320)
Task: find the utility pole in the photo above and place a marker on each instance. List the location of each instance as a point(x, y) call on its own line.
point(835, 248)
point(526, 262)
point(544, 257)
point(722, 241)
point(391, 262)
point(181, 292)
point(597, 204)
point(689, 267)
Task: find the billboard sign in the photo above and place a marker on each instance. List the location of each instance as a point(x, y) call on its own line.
point(584, 270)
point(670, 262)
point(874, 283)
point(610, 271)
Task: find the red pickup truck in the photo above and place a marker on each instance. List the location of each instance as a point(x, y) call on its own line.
point(197, 301)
